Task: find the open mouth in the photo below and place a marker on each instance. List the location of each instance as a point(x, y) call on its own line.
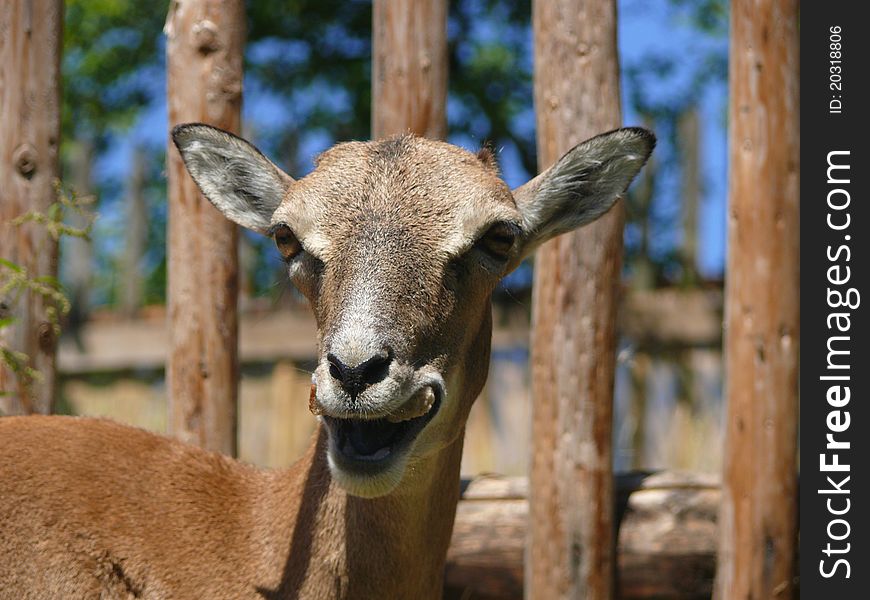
point(371, 443)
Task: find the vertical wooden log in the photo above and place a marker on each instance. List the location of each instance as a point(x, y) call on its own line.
point(689, 132)
point(135, 240)
point(77, 255)
point(205, 42)
point(577, 278)
point(759, 511)
point(644, 274)
point(291, 423)
point(409, 68)
point(30, 47)
point(640, 388)
point(247, 261)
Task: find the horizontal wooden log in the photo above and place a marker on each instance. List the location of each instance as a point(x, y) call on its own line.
point(111, 343)
point(672, 318)
point(666, 537)
point(653, 319)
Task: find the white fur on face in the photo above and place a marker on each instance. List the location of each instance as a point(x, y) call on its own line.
point(369, 485)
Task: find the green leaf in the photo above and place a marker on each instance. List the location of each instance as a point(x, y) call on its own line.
point(11, 265)
point(49, 280)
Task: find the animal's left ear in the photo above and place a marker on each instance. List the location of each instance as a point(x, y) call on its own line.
point(582, 185)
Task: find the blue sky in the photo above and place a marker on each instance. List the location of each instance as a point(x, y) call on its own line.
point(651, 29)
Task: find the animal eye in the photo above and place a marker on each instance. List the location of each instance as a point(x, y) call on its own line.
point(498, 241)
point(287, 243)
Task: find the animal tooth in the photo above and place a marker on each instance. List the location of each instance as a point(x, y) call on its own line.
point(382, 453)
point(396, 417)
point(430, 400)
point(417, 406)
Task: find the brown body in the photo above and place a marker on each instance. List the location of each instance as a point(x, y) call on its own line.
point(398, 246)
point(162, 519)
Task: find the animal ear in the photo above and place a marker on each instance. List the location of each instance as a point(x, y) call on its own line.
point(242, 183)
point(582, 185)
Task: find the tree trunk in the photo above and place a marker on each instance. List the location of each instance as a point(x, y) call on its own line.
point(409, 68)
point(577, 277)
point(77, 255)
point(759, 507)
point(205, 42)
point(639, 373)
point(136, 236)
point(30, 47)
point(689, 138)
point(643, 272)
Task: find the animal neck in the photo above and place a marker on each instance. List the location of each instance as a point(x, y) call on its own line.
point(323, 543)
point(333, 545)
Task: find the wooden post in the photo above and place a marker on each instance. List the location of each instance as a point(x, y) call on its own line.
point(409, 68)
point(577, 278)
point(639, 373)
point(77, 256)
point(30, 47)
point(136, 238)
point(291, 423)
point(689, 132)
point(644, 272)
point(759, 506)
point(205, 41)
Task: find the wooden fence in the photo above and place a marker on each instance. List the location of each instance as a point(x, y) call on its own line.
point(572, 538)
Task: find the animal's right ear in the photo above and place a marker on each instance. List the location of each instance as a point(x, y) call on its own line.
point(242, 183)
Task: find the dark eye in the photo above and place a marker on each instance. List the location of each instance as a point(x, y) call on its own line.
point(498, 241)
point(286, 242)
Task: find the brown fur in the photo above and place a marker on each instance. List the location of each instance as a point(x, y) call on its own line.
point(391, 229)
point(160, 519)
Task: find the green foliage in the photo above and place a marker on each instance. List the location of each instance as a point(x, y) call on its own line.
point(662, 87)
point(54, 219)
point(490, 52)
point(17, 283)
point(108, 45)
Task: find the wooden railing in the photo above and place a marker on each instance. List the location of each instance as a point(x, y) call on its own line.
point(666, 537)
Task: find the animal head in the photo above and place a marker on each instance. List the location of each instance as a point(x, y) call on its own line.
point(398, 245)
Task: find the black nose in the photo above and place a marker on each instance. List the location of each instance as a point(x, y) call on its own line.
point(355, 379)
